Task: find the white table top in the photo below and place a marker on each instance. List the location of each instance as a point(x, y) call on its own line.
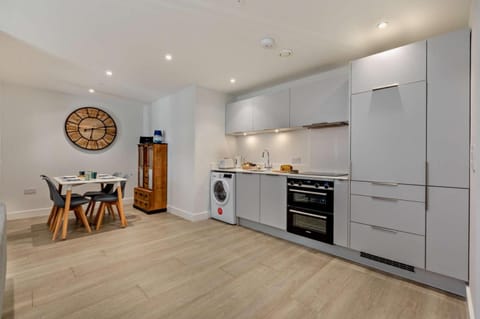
point(75, 180)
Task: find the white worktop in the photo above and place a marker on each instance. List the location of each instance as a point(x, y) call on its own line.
point(270, 172)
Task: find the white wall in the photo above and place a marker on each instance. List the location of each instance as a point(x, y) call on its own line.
point(175, 115)
point(475, 167)
point(33, 142)
point(193, 120)
point(318, 149)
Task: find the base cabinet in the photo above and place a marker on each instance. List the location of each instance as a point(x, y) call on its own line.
point(273, 201)
point(341, 223)
point(248, 196)
point(447, 232)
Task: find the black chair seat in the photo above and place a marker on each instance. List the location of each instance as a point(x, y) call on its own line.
point(75, 202)
point(73, 195)
point(93, 193)
point(106, 198)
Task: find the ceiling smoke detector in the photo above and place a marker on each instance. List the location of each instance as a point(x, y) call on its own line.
point(267, 43)
point(285, 53)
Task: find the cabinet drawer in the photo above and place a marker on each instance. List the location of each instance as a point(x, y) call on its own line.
point(402, 65)
point(396, 191)
point(398, 246)
point(395, 214)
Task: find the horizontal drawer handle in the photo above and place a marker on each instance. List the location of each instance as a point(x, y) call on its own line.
point(307, 192)
point(388, 86)
point(384, 183)
point(307, 214)
point(384, 198)
point(386, 230)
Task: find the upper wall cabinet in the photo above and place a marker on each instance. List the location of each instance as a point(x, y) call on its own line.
point(398, 66)
point(239, 117)
point(323, 100)
point(448, 109)
point(271, 111)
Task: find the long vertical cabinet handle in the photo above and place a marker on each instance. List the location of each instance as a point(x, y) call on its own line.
point(426, 185)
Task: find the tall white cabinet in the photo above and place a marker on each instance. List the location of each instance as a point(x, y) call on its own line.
point(410, 154)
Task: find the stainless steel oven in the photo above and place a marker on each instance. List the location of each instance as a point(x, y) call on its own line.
point(310, 208)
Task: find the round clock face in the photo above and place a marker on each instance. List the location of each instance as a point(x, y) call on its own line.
point(90, 128)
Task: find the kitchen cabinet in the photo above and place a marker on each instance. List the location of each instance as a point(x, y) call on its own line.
point(388, 134)
point(447, 232)
point(406, 64)
point(248, 196)
point(271, 111)
point(239, 117)
point(448, 126)
point(273, 201)
point(341, 223)
point(323, 100)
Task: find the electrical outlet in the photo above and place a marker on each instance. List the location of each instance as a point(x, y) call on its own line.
point(30, 191)
point(296, 160)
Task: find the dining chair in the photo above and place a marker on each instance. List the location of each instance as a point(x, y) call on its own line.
point(59, 202)
point(54, 209)
point(106, 189)
point(108, 200)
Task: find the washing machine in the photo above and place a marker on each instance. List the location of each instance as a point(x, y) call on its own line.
point(222, 190)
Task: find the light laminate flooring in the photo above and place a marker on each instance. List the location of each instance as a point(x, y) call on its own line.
point(162, 266)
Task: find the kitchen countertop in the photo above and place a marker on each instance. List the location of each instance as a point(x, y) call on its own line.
point(270, 172)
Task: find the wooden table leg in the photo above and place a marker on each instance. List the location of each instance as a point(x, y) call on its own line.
point(66, 210)
point(120, 206)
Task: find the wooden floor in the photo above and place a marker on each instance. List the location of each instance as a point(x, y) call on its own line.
point(164, 267)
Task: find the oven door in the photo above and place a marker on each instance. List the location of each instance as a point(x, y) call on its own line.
point(315, 225)
point(317, 200)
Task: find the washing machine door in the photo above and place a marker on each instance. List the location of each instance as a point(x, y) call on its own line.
point(220, 192)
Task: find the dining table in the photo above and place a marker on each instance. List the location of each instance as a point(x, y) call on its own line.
point(68, 182)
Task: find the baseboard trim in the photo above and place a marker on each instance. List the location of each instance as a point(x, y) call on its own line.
point(40, 212)
point(193, 217)
point(471, 310)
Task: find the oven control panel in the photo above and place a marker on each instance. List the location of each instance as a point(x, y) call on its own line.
point(308, 183)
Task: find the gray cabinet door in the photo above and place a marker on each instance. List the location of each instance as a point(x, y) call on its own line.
point(248, 196)
point(447, 232)
point(448, 109)
point(324, 100)
point(388, 135)
point(271, 111)
point(341, 221)
point(239, 117)
point(402, 65)
point(273, 201)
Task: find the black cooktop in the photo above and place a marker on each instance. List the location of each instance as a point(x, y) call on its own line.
point(323, 174)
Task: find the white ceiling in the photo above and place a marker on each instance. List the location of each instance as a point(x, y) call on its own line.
point(68, 45)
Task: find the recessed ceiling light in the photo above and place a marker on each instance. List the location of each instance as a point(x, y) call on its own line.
point(233, 80)
point(168, 57)
point(91, 90)
point(244, 134)
point(285, 53)
point(108, 73)
point(382, 25)
point(276, 131)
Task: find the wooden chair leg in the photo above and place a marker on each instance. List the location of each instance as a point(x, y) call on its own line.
point(59, 218)
point(84, 219)
point(54, 221)
point(100, 215)
point(110, 210)
point(88, 207)
point(52, 215)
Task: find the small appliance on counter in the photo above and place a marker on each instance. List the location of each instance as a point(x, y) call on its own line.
point(238, 161)
point(157, 137)
point(225, 163)
point(146, 140)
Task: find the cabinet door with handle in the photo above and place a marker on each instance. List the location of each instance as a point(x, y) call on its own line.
point(447, 232)
point(239, 117)
point(388, 135)
point(406, 64)
point(323, 100)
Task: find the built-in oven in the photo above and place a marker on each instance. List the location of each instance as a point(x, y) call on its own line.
point(310, 208)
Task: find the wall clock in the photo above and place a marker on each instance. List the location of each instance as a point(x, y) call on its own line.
point(90, 128)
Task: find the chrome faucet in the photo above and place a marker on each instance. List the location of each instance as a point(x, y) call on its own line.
point(267, 163)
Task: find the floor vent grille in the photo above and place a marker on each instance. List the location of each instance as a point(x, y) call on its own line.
point(388, 262)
